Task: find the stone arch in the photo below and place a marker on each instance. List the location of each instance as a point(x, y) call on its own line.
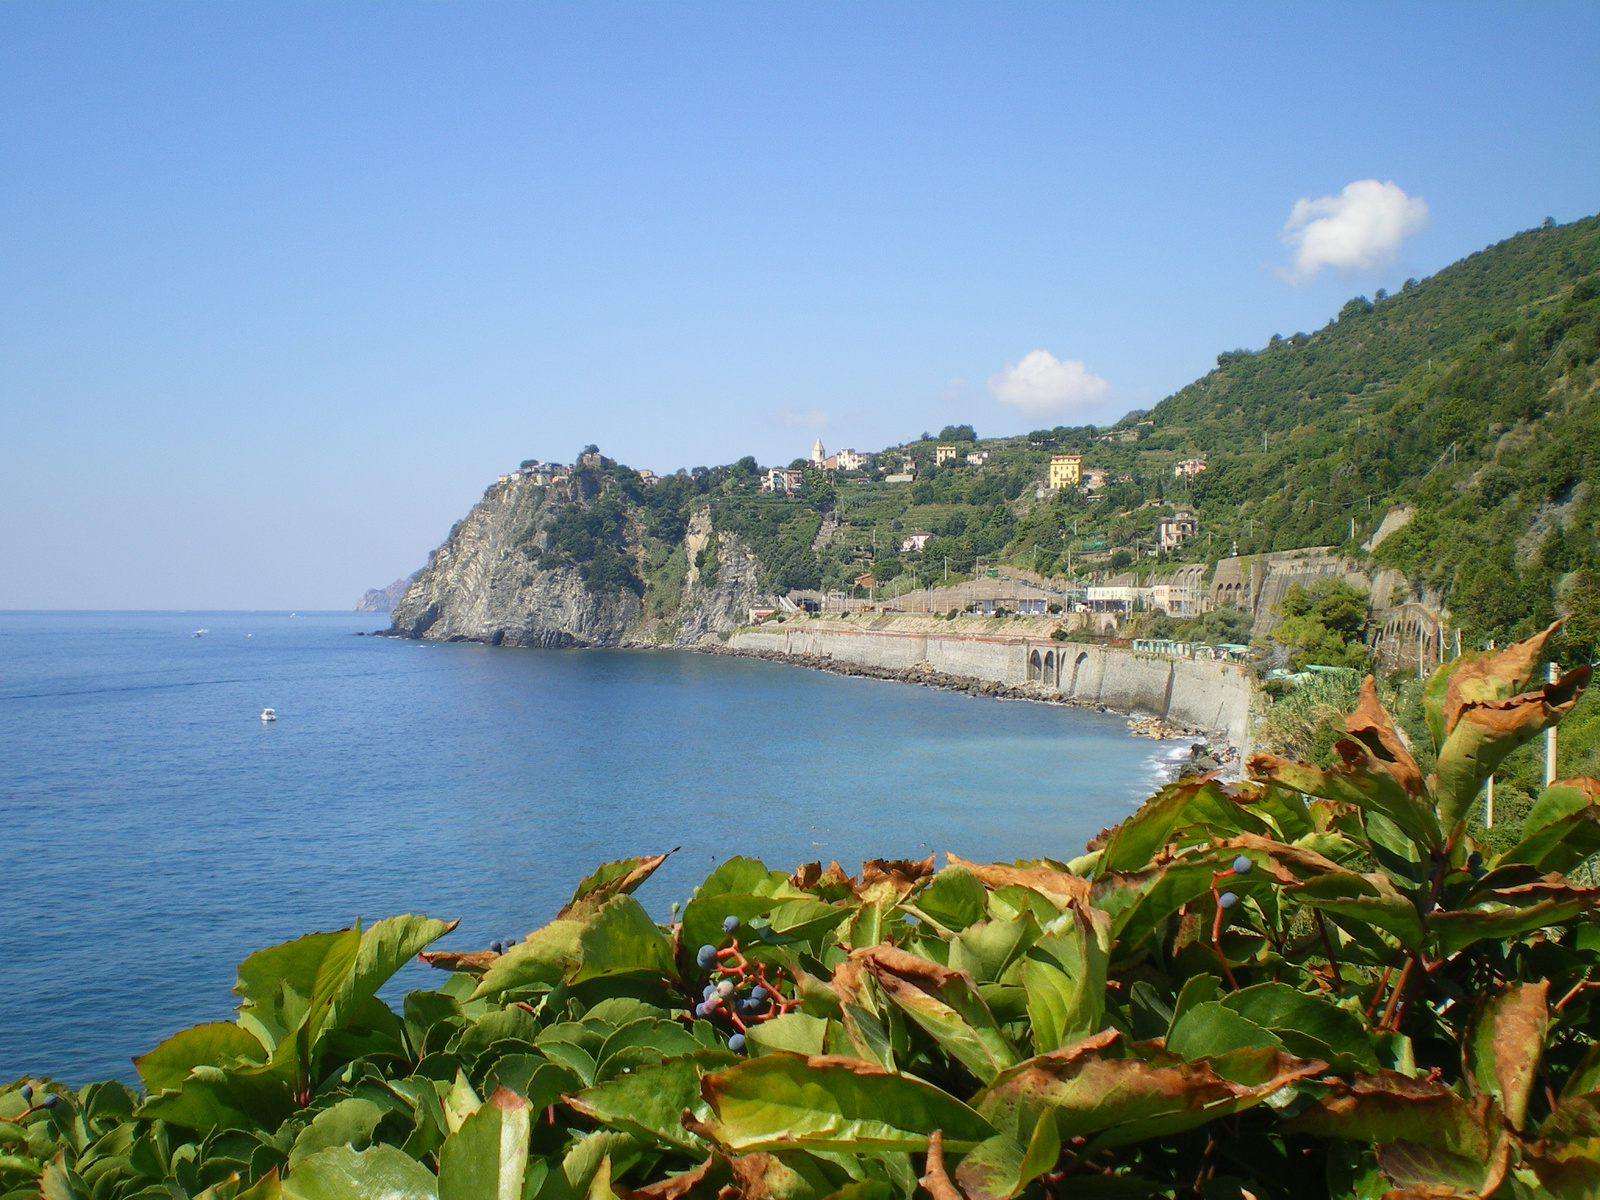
point(1050, 675)
point(1072, 684)
point(1035, 666)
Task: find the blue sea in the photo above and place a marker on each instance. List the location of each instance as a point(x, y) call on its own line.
point(156, 831)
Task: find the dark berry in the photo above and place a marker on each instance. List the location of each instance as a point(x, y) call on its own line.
point(758, 993)
point(1227, 899)
point(736, 1043)
point(729, 924)
point(497, 947)
point(50, 1101)
point(1242, 865)
point(27, 1093)
point(707, 957)
point(708, 991)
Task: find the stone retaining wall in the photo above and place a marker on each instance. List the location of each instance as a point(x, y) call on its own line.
point(1206, 695)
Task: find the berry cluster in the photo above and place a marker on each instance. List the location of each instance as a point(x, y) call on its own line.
point(500, 946)
point(743, 993)
point(46, 1102)
point(1226, 900)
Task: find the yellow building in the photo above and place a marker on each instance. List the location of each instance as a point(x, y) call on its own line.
point(943, 454)
point(1066, 470)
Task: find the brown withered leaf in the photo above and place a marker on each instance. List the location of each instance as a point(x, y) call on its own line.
point(1389, 1107)
point(900, 873)
point(1501, 1052)
point(674, 1187)
point(473, 962)
point(1060, 886)
point(1497, 675)
point(1371, 725)
point(832, 884)
point(1361, 779)
point(603, 885)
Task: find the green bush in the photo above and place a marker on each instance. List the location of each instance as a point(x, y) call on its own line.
point(1317, 982)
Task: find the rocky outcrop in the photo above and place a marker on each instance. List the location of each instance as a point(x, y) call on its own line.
point(382, 600)
point(493, 580)
point(482, 585)
point(712, 608)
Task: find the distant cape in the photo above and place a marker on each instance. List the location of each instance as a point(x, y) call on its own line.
point(382, 600)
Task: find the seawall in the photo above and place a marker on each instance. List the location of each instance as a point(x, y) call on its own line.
point(1212, 696)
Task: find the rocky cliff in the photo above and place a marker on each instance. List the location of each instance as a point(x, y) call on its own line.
point(578, 562)
point(382, 600)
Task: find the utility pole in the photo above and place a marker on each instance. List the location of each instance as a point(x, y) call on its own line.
point(1552, 673)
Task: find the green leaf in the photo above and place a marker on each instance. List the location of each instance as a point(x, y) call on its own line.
point(1080, 1091)
point(954, 898)
point(282, 983)
point(786, 1101)
point(347, 1123)
point(543, 957)
point(1309, 1026)
point(946, 1004)
point(488, 1156)
point(621, 939)
point(985, 950)
point(385, 947)
point(345, 1174)
point(1064, 976)
point(806, 919)
point(1177, 806)
point(1211, 1029)
point(212, 1098)
point(216, 1044)
point(797, 1032)
point(649, 1102)
point(1510, 912)
point(1363, 780)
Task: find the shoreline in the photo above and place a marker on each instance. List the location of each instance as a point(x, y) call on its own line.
point(1219, 751)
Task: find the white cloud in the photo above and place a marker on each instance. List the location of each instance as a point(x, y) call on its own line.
point(816, 419)
point(1042, 383)
point(1359, 229)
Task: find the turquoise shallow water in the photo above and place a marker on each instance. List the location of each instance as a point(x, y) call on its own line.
point(155, 831)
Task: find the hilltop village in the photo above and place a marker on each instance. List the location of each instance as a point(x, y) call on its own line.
point(1420, 474)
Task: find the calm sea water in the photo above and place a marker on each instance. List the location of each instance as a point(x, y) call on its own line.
point(156, 831)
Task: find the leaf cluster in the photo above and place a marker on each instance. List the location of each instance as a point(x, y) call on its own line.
point(1314, 982)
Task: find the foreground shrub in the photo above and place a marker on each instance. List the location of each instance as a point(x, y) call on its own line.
point(1311, 983)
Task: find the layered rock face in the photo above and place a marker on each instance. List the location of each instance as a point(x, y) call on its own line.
point(486, 582)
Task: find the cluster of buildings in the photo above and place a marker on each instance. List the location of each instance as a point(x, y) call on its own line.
point(543, 474)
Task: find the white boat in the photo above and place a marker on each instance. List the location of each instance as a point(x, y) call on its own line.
point(200, 633)
point(268, 714)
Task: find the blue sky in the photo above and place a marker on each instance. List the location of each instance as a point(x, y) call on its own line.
point(282, 287)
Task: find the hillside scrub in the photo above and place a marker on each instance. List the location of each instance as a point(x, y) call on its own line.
point(1313, 983)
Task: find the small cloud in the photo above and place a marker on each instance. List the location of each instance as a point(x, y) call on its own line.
point(1042, 383)
point(1360, 229)
point(815, 419)
point(953, 390)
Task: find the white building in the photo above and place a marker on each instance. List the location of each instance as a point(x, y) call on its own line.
point(819, 456)
point(852, 460)
point(914, 542)
point(977, 458)
point(1118, 598)
point(1189, 468)
point(781, 479)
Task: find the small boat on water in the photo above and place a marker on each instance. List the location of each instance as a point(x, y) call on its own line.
point(268, 714)
point(200, 633)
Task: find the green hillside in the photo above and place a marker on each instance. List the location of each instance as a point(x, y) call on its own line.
point(1471, 395)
